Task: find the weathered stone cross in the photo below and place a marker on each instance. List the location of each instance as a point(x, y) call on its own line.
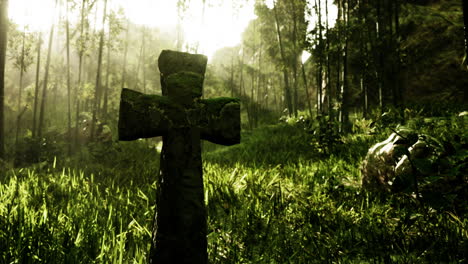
point(182, 119)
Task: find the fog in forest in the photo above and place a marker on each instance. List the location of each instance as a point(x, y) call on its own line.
point(233, 131)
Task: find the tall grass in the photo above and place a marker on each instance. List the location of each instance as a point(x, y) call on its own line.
point(270, 199)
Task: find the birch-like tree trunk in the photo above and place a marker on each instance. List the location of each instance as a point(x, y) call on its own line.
point(46, 81)
point(287, 89)
point(67, 33)
point(96, 101)
point(20, 92)
point(3, 44)
point(37, 86)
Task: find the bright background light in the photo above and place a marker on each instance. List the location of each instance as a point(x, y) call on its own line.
point(221, 26)
point(37, 15)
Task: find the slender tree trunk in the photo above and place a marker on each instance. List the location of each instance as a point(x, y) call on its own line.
point(338, 58)
point(287, 89)
point(364, 58)
point(36, 89)
point(328, 71)
point(318, 7)
point(465, 20)
point(67, 32)
point(306, 87)
point(140, 58)
point(259, 83)
point(80, 73)
point(46, 81)
point(22, 70)
point(378, 70)
point(251, 101)
point(137, 75)
point(144, 59)
point(231, 80)
point(3, 45)
point(106, 87)
point(398, 84)
point(345, 88)
point(241, 79)
point(98, 76)
point(124, 68)
point(296, 56)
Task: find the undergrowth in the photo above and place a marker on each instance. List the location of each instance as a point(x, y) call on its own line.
point(271, 199)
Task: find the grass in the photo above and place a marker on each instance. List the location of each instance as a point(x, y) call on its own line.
point(270, 199)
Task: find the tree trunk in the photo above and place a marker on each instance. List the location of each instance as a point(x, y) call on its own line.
point(106, 87)
point(98, 76)
point(67, 32)
point(259, 83)
point(241, 79)
point(46, 80)
point(231, 80)
point(398, 91)
point(36, 89)
point(3, 44)
point(22, 70)
point(287, 89)
point(124, 68)
point(345, 88)
point(378, 70)
point(144, 59)
point(80, 73)
point(328, 86)
point(296, 56)
point(318, 7)
point(465, 20)
point(140, 58)
point(306, 89)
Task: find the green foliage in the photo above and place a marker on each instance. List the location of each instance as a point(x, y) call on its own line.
point(66, 217)
point(271, 199)
point(442, 170)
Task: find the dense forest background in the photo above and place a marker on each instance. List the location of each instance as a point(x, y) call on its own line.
point(317, 88)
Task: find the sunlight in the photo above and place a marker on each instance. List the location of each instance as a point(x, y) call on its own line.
point(305, 56)
point(36, 15)
point(153, 13)
point(332, 14)
point(221, 25)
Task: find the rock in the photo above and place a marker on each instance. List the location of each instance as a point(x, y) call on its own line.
point(378, 168)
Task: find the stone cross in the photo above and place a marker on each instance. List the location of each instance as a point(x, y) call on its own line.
point(182, 118)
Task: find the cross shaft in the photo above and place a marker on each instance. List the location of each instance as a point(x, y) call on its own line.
point(182, 119)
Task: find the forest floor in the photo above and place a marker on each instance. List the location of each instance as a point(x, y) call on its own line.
point(284, 195)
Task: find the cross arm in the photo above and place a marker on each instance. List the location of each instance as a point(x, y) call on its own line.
point(220, 120)
point(142, 115)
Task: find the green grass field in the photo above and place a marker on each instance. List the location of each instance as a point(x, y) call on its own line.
point(271, 199)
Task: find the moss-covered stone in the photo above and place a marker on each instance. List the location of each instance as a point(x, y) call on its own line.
point(179, 233)
point(184, 86)
point(170, 62)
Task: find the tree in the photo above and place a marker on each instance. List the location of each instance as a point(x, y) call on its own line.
point(36, 89)
point(287, 87)
point(67, 33)
point(46, 79)
point(465, 20)
point(20, 51)
point(98, 75)
point(115, 27)
point(3, 43)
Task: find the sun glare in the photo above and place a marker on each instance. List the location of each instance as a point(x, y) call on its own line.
point(332, 14)
point(33, 14)
point(218, 26)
